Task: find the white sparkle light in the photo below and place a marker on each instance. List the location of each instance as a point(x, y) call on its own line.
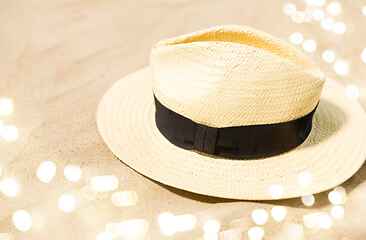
point(133, 228)
point(305, 178)
point(337, 212)
point(72, 173)
point(104, 236)
point(328, 56)
point(125, 198)
point(309, 45)
point(341, 67)
point(211, 226)
point(339, 28)
point(334, 8)
point(66, 203)
point(298, 17)
point(364, 10)
point(293, 230)
point(325, 221)
point(104, 183)
point(256, 233)
point(311, 220)
point(278, 213)
point(185, 222)
point(231, 234)
point(363, 55)
point(46, 171)
point(112, 228)
point(335, 197)
point(318, 15)
point(9, 187)
point(352, 92)
point(167, 223)
point(308, 200)
point(22, 220)
point(10, 133)
point(327, 24)
point(296, 38)
point(306, 16)
point(275, 191)
point(6, 106)
point(260, 216)
point(289, 9)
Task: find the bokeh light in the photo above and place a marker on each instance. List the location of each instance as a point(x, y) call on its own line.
point(66, 203)
point(231, 234)
point(256, 233)
point(259, 216)
point(289, 9)
point(6, 106)
point(341, 67)
point(305, 178)
point(325, 221)
point(318, 15)
point(292, 231)
point(337, 212)
point(211, 226)
point(309, 45)
point(327, 24)
point(10, 133)
point(72, 173)
point(185, 222)
point(363, 55)
point(166, 223)
point(364, 10)
point(133, 228)
point(352, 91)
point(339, 28)
point(9, 187)
point(124, 199)
point(112, 228)
point(88, 192)
point(22, 220)
point(278, 213)
point(104, 183)
point(104, 236)
point(46, 171)
point(334, 8)
point(275, 191)
point(296, 38)
point(328, 56)
point(308, 200)
point(311, 220)
point(298, 17)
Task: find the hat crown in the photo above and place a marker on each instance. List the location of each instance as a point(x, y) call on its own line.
point(234, 76)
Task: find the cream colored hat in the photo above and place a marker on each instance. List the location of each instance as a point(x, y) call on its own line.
point(234, 112)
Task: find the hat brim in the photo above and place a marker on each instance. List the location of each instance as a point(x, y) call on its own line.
point(332, 153)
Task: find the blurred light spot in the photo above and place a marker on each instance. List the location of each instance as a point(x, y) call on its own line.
point(328, 56)
point(275, 191)
point(334, 8)
point(289, 9)
point(166, 223)
point(325, 221)
point(10, 133)
point(22, 220)
point(315, 2)
point(260, 216)
point(104, 183)
point(210, 236)
point(232, 234)
point(318, 15)
point(295, 231)
point(352, 92)
point(6, 106)
point(363, 55)
point(185, 222)
point(335, 197)
point(327, 24)
point(311, 220)
point(341, 67)
point(297, 17)
point(337, 212)
point(112, 228)
point(278, 213)
point(133, 228)
point(89, 192)
point(339, 28)
point(124, 199)
point(308, 200)
point(241, 223)
point(9, 187)
point(66, 203)
point(46, 171)
point(211, 226)
point(72, 173)
point(309, 45)
point(104, 236)
point(256, 233)
point(340, 189)
point(364, 10)
point(306, 16)
point(305, 178)
point(296, 38)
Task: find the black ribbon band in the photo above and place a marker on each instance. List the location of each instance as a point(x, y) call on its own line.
point(242, 142)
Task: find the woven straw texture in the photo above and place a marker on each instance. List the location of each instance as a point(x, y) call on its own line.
point(234, 76)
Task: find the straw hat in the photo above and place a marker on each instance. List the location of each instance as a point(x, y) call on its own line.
point(237, 113)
